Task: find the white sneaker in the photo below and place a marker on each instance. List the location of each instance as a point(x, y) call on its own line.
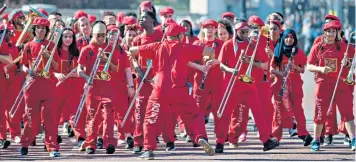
point(242, 138)
point(17, 139)
point(65, 128)
point(120, 142)
point(233, 145)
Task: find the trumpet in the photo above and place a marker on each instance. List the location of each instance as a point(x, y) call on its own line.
point(232, 79)
point(247, 77)
point(27, 84)
point(87, 87)
point(45, 72)
point(104, 75)
point(349, 79)
point(339, 75)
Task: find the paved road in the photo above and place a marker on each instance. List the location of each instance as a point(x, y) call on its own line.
point(291, 149)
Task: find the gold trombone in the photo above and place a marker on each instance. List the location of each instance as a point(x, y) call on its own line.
point(349, 79)
point(343, 63)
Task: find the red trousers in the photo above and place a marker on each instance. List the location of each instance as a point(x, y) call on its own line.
point(2, 107)
point(160, 108)
point(99, 104)
point(140, 111)
point(121, 107)
point(323, 93)
point(40, 94)
point(240, 101)
point(12, 90)
point(294, 99)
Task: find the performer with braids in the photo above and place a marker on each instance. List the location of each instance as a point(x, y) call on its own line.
point(324, 60)
point(285, 49)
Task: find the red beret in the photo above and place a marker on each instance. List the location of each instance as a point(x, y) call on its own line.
point(15, 14)
point(120, 16)
point(166, 10)
point(209, 22)
point(276, 22)
point(174, 30)
point(43, 11)
point(332, 24)
point(146, 4)
point(128, 20)
point(40, 21)
point(92, 18)
point(241, 25)
point(110, 27)
point(228, 14)
point(255, 20)
point(330, 16)
point(9, 27)
point(80, 13)
point(6, 16)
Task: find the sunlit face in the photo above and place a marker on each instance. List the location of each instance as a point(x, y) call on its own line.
point(243, 34)
point(223, 34)
point(84, 26)
point(130, 35)
point(20, 20)
point(187, 27)
point(99, 38)
point(145, 20)
point(209, 30)
point(109, 20)
point(274, 31)
point(67, 38)
point(289, 40)
point(165, 17)
point(113, 37)
point(40, 31)
point(330, 34)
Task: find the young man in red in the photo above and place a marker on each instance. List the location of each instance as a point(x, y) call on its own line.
point(243, 95)
point(42, 91)
point(101, 96)
point(149, 35)
point(211, 89)
point(170, 62)
point(165, 13)
point(5, 61)
point(324, 60)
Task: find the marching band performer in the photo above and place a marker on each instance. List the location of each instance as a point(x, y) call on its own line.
point(101, 96)
point(147, 6)
point(324, 60)
point(291, 84)
point(84, 32)
point(170, 66)
point(42, 91)
point(149, 35)
point(5, 60)
point(229, 16)
point(211, 89)
point(77, 15)
point(109, 18)
point(189, 36)
point(239, 103)
point(224, 30)
point(165, 13)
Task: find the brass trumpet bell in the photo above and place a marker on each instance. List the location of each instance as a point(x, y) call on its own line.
point(349, 81)
point(103, 76)
point(246, 79)
point(45, 74)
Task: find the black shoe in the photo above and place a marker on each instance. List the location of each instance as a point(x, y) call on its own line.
point(45, 147)
point(170, 146)
point(347, 140)
point(308, 140)
point(70, 132)
point(129, 143)
point(195, 144)
point(322, 140)
point(270, 144)
point(137, 149)
point(100, 143)
point(110, 149)
point(175, 137)
point(23, 150)
point(157, 139)
point(33, 143)
point(89, 151)
point(292, 132)
point(4, 144)
point(206, 119)
point(219, 148)
point(22, 125)
point(328, 140)
point(80, 141)
point(147, 155)
point(59, 139)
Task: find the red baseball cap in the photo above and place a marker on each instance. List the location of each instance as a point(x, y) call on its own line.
point(128, 20)
point(80, 13)
point(43, 11)
point(174, 30)
point(209, 22)
point(15, 14)
point(40, 21)
point(332, 17)
point(241, 25)
point(255, 20)
point(92, 18)
point(166, 10)
point(332, 24)
point(147, 4)
point(228, 14)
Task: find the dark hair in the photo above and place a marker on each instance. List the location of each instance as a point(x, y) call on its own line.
point(122, 30)
point(227, 25)
point(55, 13)
point(109, 13)
point(131, 14)
point(34, 31)
point(191, 27)
point(154, 13)
point(73, 50)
